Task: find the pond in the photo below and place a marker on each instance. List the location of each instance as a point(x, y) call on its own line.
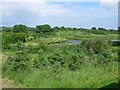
point(115, 42)
point(75, 42)
point(71, 42)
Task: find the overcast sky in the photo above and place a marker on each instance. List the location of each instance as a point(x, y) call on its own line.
point(70, 14)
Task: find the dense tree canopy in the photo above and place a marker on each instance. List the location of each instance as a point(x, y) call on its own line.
point(19, 28)
point(93, 28)
point(43, 28)
point(6, 29)
point(47, 29)
point(119, 28)
point(101, 28)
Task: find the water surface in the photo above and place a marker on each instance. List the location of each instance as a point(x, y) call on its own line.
point(72, 42)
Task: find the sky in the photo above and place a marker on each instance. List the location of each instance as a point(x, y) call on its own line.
point(79, 14)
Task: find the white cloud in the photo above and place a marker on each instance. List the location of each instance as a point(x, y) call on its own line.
point(109, 0)
point(0, 14)
point(59, 0)
point(43, 9)
point(22, 0)
point(46, 9)
point(38, 11)
point(109, 4)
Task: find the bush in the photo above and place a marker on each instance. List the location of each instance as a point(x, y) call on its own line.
point(96, 45)
point(104, 57)
point(116, 43)
point(5, 45)
point(20, 62)
point(36, 48)
point(13, 37)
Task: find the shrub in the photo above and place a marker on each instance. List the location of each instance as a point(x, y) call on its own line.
point(96, 45)
point(13, 37)
point(104, 57)
point(19, 62)
point(5, 45)
point(116, 43)
point(36, 48)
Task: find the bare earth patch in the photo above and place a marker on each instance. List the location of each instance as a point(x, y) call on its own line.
point(6, 83)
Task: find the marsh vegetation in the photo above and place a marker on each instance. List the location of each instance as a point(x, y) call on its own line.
point(59, 57)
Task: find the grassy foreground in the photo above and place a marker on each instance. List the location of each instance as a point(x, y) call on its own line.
point(84, 78)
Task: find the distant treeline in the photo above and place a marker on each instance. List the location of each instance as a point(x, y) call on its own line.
point(47, 28)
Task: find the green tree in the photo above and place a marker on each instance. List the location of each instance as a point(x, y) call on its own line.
point(19, 28)
point(119, 28)
point(93, 28)
point(43, 28)
point(101, 28)
point(6, 29)
point(62, 27)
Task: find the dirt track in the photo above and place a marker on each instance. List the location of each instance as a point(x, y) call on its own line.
point(6, 83)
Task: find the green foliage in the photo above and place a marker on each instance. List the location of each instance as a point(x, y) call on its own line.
point(20, 61)
point(5, 45)
point(101, 28)
point(116, 43)
point(94, 28)
point(95, 45)
point(43, 28)
point(13, 37)
point(42, 62)
point(84, 78)
point(7, 29)
point(36, 49)
point(71, 57)
point(20, 28)
point(104, 57)
point(69, 65)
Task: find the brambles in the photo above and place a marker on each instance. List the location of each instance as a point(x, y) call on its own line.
point(12, 38)
point(104, 57)
point(95, 45)
point(21, 59)
point(69, 57)
point(19, 62)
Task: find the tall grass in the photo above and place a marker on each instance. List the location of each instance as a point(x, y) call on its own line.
point(87, 77)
